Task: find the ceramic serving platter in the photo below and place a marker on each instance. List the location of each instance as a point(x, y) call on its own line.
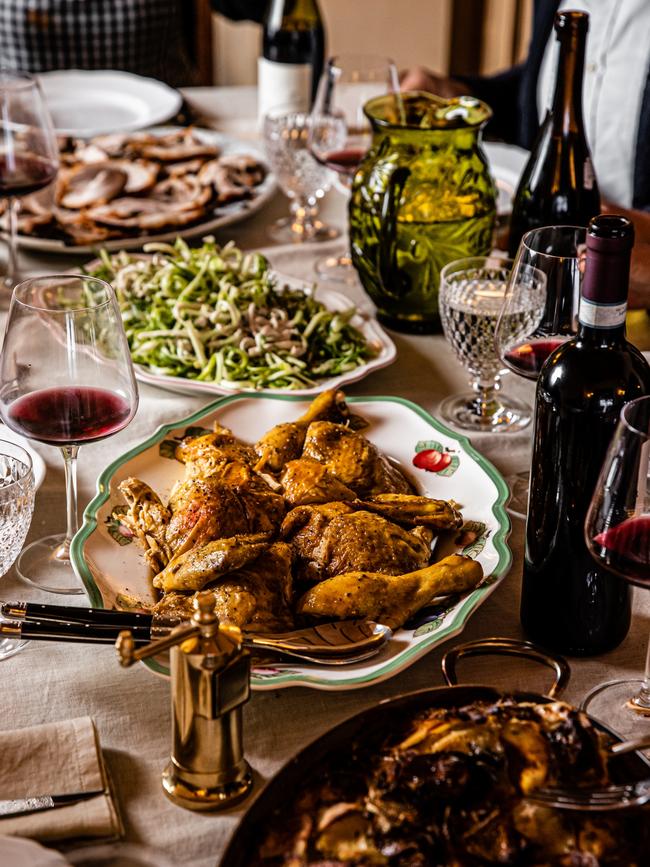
point(439, 462)
point(384, 352)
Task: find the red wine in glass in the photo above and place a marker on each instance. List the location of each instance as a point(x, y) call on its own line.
point(22, 174)
point(69, 415)
point(625, 549)
point(344, 161)
point(527, 358)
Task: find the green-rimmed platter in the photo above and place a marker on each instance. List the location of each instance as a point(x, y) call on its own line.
point(439, 462)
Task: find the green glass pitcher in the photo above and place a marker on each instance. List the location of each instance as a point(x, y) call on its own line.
point(422, 197)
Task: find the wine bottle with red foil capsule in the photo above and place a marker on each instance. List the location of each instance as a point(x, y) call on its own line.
point(569, 603)
point(558, 185)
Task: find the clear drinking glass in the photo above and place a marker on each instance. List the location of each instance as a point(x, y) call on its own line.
point(300, 176)
point(471, 297)
point(341, 134)
point(66, 379)
point(29, 155)
point(617, 533)
point(558, 252)
point(16, 508)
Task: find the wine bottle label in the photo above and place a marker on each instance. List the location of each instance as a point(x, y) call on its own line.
point(588, 175)
point(282, 85)
point(601, 315)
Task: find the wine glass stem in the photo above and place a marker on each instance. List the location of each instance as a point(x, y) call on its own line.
point(12, 265)
point(70, 463)
point(485, 402)
point(642, 700)
point(303, 213)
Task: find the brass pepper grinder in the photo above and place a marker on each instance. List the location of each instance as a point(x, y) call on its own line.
point(210, 679)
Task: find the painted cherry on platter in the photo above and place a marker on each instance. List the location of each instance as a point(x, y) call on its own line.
point(432, 460)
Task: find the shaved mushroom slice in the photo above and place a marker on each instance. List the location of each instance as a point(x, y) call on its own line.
point(93, 184)
point(112, 144)
point(185, 192)
point(244, 169)
point(227, 188)
point(176, 147)
point(79, 228)
point(187, 167)
point(90, 153)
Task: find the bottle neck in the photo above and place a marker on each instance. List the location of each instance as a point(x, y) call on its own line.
point(603, 296)
point(304, 12)
point(566, 109)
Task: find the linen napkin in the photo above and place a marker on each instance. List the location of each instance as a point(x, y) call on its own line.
point(57, 759)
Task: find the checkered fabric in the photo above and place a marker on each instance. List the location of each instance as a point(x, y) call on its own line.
point(141, 36)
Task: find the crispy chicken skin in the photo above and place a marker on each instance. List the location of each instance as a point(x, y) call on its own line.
point(353, 460)
point(305, 481)
point(389, 599)
point(255, 597)
point(206, 563)
point(283, 443)
point(329, 542)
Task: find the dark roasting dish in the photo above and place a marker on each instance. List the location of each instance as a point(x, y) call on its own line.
point(439, 778)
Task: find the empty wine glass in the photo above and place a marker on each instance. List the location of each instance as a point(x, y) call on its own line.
point(66, 379)
point(340, 133)
point(29, 156)
point(470, 300)
point(558, 252)
point(617, 533)
point(16, 508)
point(300, 176)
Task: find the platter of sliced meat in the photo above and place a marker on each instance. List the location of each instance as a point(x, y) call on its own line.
point(123, 189)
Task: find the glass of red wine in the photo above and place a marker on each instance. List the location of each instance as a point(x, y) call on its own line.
point(617, 532)
point(340, 132)
point(29, 155)
point(66, 379)
point(524, 343)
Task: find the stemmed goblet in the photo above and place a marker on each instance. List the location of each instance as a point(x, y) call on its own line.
point(470, 300)
point(16, 507)
point(29, 155)
point(617, 533)
point(66, 379)
point(303, 180)
point(523, 345)
point(340, 133)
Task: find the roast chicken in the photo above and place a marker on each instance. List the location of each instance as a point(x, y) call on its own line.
point(310, 522)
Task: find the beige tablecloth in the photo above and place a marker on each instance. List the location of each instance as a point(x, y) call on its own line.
point(131, 707)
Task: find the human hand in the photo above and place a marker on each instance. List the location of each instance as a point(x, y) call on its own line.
point(419, 78)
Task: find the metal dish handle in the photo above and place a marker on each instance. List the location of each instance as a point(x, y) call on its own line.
point(508, 647)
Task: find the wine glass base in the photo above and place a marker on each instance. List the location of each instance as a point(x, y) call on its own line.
point(9, 646)
point(337, 269)
point(42, 565)
point(612, 703)
point(519, 484)
point(284, 232)
point(508, 415)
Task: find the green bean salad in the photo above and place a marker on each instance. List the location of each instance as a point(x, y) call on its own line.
point(216, 314)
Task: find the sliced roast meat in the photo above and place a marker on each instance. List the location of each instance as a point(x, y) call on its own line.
point(217, 176)
point(141, 175)
point(244, 169)
point(93, 184)
point(187, 167)
point(185, 192)
point(178, 146)
point(146, 214)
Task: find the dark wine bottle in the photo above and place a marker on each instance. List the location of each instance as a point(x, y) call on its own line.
point(568, 602)
point(558, 185)
point(293, 49)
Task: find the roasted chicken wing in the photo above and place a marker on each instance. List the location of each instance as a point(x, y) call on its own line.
point(206, 563)
point(284, 442)
point(148, 518)
point(305, 481)
point(389, 599)
point(206, 454)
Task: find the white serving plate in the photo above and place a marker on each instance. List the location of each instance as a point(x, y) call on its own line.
point(38, 464)
point(226, 215)
point(365, 322)
point(85, 103)
point(110, 564)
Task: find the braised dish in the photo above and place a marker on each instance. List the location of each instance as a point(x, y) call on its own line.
point(310, 522)
point(422, 781)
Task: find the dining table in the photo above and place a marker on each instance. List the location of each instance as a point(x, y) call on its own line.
point(131, 707)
